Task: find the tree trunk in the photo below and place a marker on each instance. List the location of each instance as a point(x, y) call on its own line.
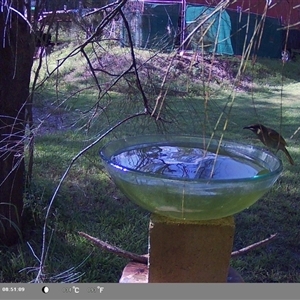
point(16, 58)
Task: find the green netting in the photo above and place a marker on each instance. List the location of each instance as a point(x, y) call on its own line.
point(217, 29)
point(154, 26)
point(243, 26)
point(160, 25)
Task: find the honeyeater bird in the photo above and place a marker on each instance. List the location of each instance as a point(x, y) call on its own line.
point(271, 138)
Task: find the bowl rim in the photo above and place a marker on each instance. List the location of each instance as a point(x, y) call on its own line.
point(275, 173)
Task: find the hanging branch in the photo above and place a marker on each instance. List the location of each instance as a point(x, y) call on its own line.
point(144, 258)
point(91, 69)
point(138, 81)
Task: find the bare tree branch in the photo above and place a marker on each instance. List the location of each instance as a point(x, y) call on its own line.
point(92, 69)
point(117, 8)
point(138, 82)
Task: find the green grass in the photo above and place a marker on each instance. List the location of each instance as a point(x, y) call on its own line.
point(88, 200)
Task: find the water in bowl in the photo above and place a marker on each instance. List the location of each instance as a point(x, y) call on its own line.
point(188, 162)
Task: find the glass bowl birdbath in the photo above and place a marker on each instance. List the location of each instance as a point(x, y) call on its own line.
point(190, 177)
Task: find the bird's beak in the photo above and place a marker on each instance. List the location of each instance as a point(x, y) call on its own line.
point(247, 127)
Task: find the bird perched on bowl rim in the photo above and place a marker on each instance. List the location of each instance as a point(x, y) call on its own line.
point(271, 138)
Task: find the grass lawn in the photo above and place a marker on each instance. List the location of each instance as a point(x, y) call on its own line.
point(71, 112)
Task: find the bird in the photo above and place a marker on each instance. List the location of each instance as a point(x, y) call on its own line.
point(271, 138)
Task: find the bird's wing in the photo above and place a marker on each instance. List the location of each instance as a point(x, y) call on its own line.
point(274, 136)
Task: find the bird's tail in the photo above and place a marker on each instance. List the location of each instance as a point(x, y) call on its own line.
point(288, 156)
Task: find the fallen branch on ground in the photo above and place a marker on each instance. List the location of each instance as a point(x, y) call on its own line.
point(113, 249)
point(144, 258)
point(253, 246)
